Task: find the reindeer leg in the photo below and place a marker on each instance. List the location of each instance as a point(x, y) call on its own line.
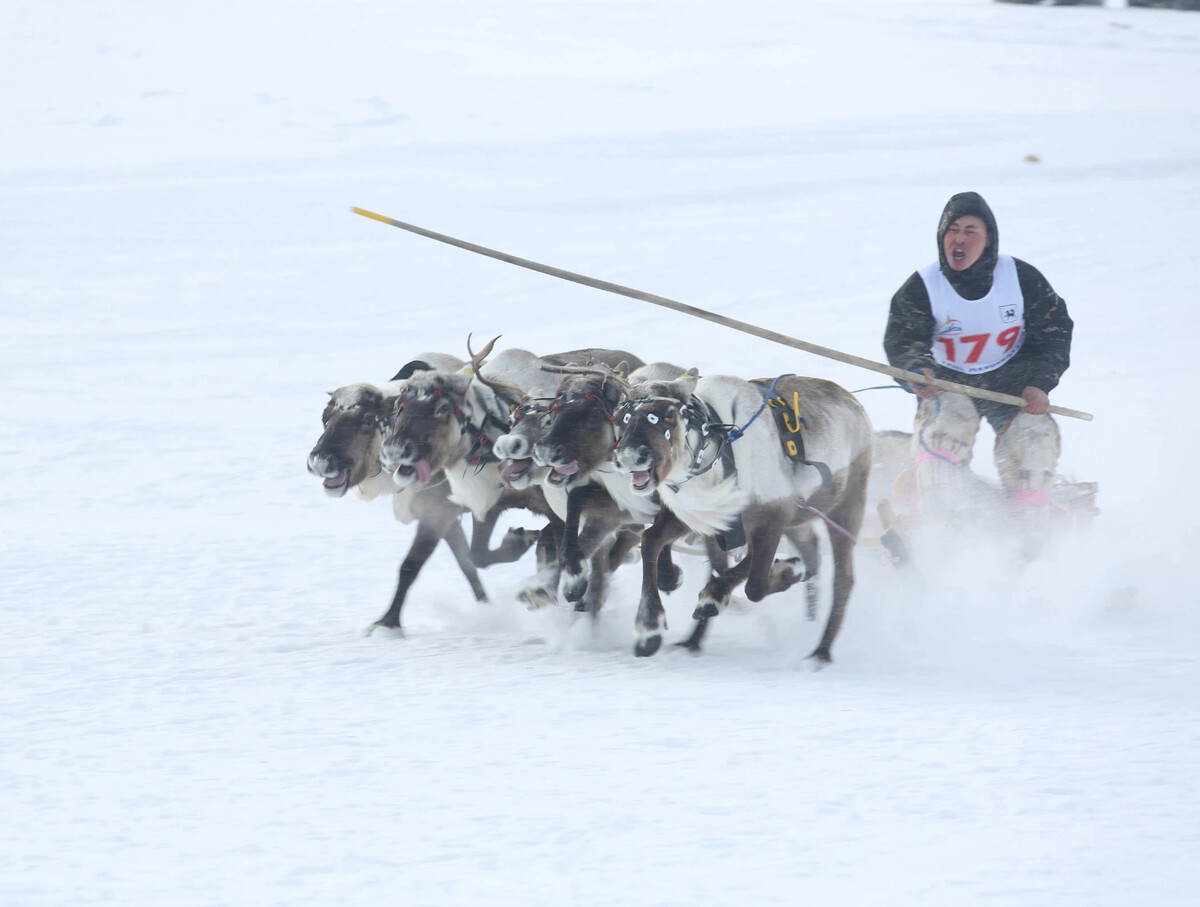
point(456, 539)
point(651, 616)
point(594, 542)
point(586, 498)
point(849, 515)
point(804, 540)
point(843, 583)
point(670, 576)
point(514, 544)
point(542, 589)
point(718, 562)
point(696, 637)
point(714, 597)
point(597, 584)
point(430, 531)
point(606, 559)
point(627, 539)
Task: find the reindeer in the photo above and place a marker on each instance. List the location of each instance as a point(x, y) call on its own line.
point(575, 440)
point(603, 543)
point(446, 420)
point(928, 475)
point(683, 439)
point(347, 456)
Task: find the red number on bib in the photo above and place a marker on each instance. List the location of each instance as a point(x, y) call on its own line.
point(980, 341)
point(1009, 337)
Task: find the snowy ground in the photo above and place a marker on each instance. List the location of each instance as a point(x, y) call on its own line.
point(189, 710)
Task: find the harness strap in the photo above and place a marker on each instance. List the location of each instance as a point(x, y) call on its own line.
point(804, 505)
point(768, 397)
point(738, 432)
point(710, 424)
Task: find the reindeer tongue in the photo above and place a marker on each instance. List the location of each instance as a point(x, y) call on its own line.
point(423, 471)
point(512, 468)
point(568, 469)
point(640, 477)
point(335, 481)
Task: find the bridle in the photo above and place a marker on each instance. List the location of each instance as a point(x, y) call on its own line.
point(696, 416)
point(480, 452)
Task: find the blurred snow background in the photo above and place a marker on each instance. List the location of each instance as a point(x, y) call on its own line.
point(190, 712)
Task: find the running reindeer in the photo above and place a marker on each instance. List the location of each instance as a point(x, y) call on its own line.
point(604, 521)
point(720, 470)
point(346, 456)
point(571, 437)
point(447, 420)
point(576, 442)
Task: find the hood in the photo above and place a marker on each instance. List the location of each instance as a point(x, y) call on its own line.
point(976, 280)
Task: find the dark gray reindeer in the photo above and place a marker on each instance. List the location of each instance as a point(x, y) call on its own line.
point(574, 441)
point(448, 421)
point(346, 456)
point(677, 439)
point(603, 540)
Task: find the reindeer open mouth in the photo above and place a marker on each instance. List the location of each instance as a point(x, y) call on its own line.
point(516, 471)
point(334, 475)
point(336, 485)
point(561, 474)
point(640, 465)
point(407, 474)
point(642, 480)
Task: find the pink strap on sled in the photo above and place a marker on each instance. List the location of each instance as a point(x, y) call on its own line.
point(1032, 498)
point(938, 455)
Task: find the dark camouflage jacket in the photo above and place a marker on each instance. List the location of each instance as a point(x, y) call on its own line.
point(1046, 352)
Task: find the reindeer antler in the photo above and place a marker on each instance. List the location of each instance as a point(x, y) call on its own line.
point(477, 362)
point(608, 374)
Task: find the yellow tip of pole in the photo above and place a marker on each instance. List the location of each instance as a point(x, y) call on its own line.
point(371, 214)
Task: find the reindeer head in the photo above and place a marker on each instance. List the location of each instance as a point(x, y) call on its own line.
point(428, 426)
point(528, 424)
point(580, 435)
point(651, 443)
point(355, 420)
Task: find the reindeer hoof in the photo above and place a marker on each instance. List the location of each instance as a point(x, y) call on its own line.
point(393, 626)
point(535, 597)
point(522, 536)
point(644, 648)
point(706, 609)
point(786, 572)
point(669, 578)
point(819, 658)
point(575, 587)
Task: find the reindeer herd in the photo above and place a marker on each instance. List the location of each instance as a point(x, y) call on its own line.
point(615, 455)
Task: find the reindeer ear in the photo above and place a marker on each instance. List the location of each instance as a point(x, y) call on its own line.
point(611, 392)
point(458, 382)
point(622, 368)
point(693, 372)
point(685, 385)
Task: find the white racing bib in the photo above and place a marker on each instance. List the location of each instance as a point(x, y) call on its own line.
point(976, 335)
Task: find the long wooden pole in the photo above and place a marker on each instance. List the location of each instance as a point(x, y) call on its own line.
point(774, 336)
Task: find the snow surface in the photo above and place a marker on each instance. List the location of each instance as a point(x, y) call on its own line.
point(190, 712)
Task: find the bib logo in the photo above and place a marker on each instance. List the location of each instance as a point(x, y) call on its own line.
point(950, 326)
point(1008, 313)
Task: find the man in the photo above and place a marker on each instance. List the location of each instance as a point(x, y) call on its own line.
point(987, 320)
